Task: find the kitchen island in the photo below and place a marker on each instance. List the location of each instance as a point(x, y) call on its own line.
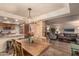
point(4, 39)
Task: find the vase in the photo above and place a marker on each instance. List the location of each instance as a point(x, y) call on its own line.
point(30, 40)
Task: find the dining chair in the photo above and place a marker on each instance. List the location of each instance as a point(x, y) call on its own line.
point(17, 48)
point(75, 49)
point(14, 47)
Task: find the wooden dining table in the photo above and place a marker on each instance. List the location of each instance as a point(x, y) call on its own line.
point(34, 49)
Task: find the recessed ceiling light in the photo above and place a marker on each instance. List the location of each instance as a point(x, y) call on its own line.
point(5, 18)
point(16, 20)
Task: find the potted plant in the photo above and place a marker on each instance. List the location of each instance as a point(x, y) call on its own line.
point(29, 36)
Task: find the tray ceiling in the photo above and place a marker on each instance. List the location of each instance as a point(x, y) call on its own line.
point(37, 8)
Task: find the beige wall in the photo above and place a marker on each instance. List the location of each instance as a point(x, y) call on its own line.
point(37, 28)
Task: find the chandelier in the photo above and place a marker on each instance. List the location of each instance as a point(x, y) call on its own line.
point(29, 12)
point(29, 18)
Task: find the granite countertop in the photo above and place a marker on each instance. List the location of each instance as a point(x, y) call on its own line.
point(13, 35)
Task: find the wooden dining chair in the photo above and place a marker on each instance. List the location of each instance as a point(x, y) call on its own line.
point(14, 47)
point(17, 48)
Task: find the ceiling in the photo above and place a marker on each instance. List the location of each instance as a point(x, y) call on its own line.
point(63, 20)
point(72, 17)
point(37, 8)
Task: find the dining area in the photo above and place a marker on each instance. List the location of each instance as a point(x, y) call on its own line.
point(29, 31)
point(23, 47)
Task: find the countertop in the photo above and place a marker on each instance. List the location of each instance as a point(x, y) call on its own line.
point(3, 40)
point(12, 35)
